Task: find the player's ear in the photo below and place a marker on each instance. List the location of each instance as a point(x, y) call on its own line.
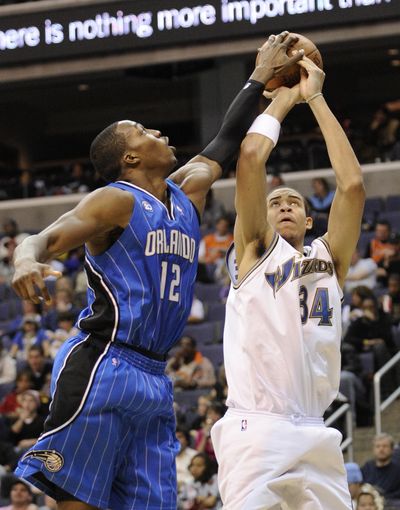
point(131, 159)
point(309, 223)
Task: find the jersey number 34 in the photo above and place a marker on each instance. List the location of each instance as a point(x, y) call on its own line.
point(320, 306)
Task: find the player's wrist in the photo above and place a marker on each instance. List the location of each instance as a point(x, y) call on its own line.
point(266, 125)
point(262, 74)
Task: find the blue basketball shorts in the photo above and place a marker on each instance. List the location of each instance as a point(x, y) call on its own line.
point(109, 439)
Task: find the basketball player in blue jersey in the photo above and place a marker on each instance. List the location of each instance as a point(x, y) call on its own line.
point(109, 441)
point(283, 324)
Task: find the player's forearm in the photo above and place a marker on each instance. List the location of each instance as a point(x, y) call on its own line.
point(341, 155)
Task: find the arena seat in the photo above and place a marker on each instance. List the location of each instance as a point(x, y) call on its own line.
point(393, 203)
point(207, 292)
point(203, 333)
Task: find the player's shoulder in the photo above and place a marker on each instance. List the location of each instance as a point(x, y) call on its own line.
point(108, 200)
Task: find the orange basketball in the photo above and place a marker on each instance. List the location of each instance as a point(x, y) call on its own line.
point(291, 76)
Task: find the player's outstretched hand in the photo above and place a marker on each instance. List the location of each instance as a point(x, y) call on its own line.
point(28, 281)
point(311, 78)
point(272, 54)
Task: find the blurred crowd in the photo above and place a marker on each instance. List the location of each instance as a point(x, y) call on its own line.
point(379, 141)
point(32, 334)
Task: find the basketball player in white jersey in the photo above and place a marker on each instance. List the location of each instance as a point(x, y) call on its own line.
point(283, 327)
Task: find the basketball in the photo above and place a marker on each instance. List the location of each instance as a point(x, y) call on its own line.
point(291, 76)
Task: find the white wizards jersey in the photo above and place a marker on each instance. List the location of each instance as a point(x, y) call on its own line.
point(283, 330)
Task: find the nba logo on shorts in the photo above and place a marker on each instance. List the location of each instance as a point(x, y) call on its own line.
point(244, 426)
point(147, 206)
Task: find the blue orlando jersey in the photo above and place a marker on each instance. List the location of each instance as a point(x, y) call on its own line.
point(140, 290)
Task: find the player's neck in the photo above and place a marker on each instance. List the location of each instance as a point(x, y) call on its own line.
point(156, 185)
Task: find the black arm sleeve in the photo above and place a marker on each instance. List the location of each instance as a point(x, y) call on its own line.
point(237, 121)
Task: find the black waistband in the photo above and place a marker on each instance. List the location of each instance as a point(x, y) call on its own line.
point(141, 350)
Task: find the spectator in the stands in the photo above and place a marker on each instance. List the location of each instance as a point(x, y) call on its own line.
point(390, 264)
point(21, 497)
point(31, 333)
point(65, 329)
point(354, 480)
point(369, 499)
point(384, 132)
point(203, 403)
point(197, 312)
point(62, 303)
point(38, 366)
point(188, 368)
point(351, 379)
point(361, 272)
point(25, 186)
point(381, 471)
point(372, 332)
point(213, 210)
point(391, 300)
point(202, 441)
point(321, 200)
point(29, 423)
point(79, 182)
point(6, 265)
point(10, 231)
point(213, 246)
point(8, 369)
point(220, 390)
point(353, 310)
point(11, 401)
point(383, 245)
point(184, 457)
point(8, 458)
point(203, 492)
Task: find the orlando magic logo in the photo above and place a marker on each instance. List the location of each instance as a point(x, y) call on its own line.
point(52, 460)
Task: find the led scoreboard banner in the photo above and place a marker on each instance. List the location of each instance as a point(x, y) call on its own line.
point(145, 24)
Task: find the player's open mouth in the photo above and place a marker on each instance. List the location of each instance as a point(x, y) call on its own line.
point(286, 220)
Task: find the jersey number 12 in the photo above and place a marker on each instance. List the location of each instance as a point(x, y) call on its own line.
point(173, 294)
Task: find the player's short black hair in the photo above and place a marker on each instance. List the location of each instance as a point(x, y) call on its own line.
point(106, 152)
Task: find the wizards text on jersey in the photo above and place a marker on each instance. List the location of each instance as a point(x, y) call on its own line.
point(291, 270)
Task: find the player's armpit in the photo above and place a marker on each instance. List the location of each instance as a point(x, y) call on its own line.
point(195, 179)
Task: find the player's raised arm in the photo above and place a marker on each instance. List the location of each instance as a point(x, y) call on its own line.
point(252, 230)
point(200, 172)
point(347, 207)
point(100, 212)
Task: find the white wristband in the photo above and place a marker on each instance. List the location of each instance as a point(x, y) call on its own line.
point(267, 126)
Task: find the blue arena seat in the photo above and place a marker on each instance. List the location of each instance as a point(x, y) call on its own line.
point(393, 203)
point(203, 333)
point(393, 217)
point(215, 353)
point(216, 312)
point(207, 291)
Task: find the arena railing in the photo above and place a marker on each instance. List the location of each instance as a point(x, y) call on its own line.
point(379, 405)
point(347, 444)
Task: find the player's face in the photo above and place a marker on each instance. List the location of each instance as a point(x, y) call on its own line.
point(287, 214)
point(150, 146)
point(366, 502)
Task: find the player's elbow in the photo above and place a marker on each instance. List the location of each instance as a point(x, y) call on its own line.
point(355, 187)
point(251, 153)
